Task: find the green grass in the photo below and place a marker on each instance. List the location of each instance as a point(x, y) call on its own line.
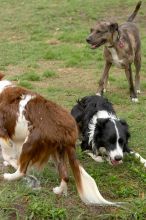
point(49, 73)
point(30, 76)
point(43, 48)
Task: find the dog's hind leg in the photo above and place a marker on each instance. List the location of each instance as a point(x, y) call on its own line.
point(103, 80)
point(59, 160)
point(128, 72)
point(26, 156)
point(137, 63)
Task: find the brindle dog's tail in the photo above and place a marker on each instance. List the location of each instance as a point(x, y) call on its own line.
point(132, 16)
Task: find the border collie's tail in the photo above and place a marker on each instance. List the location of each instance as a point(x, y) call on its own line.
point(86, 185)
point(132, 16)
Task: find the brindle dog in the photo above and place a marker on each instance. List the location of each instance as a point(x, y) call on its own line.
point(122, 48)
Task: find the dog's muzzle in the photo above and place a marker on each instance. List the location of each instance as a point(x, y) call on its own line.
point(117, 160)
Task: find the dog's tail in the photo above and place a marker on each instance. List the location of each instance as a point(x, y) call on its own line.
point(132, 16)
point(86, 185)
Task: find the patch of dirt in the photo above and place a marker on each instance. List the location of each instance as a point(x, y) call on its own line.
point(14, 70)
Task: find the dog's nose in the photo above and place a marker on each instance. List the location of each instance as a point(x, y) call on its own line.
point(118, 158)
point(88, 40)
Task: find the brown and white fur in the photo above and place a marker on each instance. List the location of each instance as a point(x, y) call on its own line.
point(122, 48)
point(32, 129)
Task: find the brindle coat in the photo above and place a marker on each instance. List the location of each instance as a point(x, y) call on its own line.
point(122, 48)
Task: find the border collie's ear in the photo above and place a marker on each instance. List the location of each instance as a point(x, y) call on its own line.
point(113, 27)
point(126, 127)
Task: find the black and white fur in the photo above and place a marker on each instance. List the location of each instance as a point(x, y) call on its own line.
point(102, 132)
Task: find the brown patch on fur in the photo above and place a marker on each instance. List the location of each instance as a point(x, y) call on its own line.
point(9, 102)
point(1, 76)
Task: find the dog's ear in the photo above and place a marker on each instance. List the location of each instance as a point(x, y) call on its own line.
point(127, 133)
point(99, 130)
point(113, 27)
point(126, 127)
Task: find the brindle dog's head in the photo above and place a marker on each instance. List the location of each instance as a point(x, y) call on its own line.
point(102, 33)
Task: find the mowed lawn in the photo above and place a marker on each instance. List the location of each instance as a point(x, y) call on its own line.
point(43, 48)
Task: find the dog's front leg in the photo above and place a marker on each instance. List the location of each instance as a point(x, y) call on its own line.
point(137, 155)
point(137, 63)
point(128, 72)
point(103, 80)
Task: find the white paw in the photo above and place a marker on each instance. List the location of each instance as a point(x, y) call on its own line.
point(7, 176)
point(138, 91)
point(59, 190)
point(104, 90)
point(99, 159)
point(134, 99)
point(98, 94)
point(5, 163)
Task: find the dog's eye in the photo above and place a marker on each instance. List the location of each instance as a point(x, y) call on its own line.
point(98, 32)
point(120, 141)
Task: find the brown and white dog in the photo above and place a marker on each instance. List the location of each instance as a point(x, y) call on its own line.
point(122, 48)
point(32, 129)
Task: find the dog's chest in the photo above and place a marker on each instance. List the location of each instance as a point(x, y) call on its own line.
point(115, 58)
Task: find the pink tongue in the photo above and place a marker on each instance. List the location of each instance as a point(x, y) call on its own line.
point(114, 162)
point(93, 46)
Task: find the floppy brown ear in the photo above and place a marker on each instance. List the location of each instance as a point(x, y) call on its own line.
point(113, 27)
point(1, 76)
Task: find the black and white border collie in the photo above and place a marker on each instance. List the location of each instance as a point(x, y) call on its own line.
point(102, 132)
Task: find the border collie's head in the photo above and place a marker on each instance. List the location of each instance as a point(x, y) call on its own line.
point(112, 134)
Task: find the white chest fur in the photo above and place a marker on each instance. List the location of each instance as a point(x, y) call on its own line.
point(11, 149)
point(21, 129)
point(115, 57)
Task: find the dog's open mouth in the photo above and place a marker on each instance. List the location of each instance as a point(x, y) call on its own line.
point(115, 162)
point(94, 46)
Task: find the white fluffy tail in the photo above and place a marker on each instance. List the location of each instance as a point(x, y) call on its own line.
point(86, 185)
point(89, 192)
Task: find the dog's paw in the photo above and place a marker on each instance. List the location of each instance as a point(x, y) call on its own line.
point(7, 176)
point(138, 91)
point(134, 99)
point(99, 159)
point(60, 190)
point(98, 93)
point(5, 163)
point(104, 91)
point(57, 190)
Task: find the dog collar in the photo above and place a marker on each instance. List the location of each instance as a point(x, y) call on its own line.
point(121, 43)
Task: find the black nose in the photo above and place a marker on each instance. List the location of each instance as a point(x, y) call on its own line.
point(88, 40)
point(118, 158)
